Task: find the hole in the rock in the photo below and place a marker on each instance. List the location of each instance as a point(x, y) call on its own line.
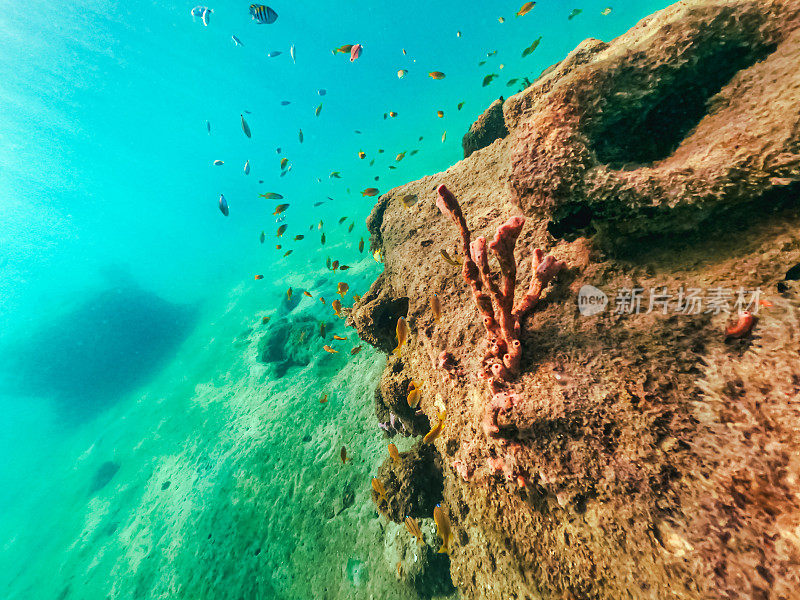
point(573, 222)
point(652, 125)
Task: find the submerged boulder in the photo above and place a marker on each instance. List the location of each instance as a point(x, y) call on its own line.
point(490, 126)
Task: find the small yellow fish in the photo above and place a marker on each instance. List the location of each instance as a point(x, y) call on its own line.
point(342, 288)
point(402, 331)
point(436, 75)
point(289, 294)
point(370, 192)
point(355, 350)
point(449, 259)
point(501, 20)
point(362, 155)
point(436, 307)
point(392, 114)
point(413, 397)
point(444, 136)
point(402, 73)
point(271, 196)
point(329, 350)
point(440, 113)
point(284, 162)
point(413, 528)
point(265, 320)
point(379, 489)
point(281, 230)
point(525, 9)
point(377, 255)
point(356, 297)
point(336, 305)
point(394, 453)
point(339, 337)
point(305, 293)
point(343, 49)
point(318, 110)
point(321, 299)
point(400, 156)
point(361, 245)
point(409, 200)
point(335, 175)
point(443, 529)
point(606, 11)
point(319, 225)
point(436, 430)
point(287, 253)
point(280, 208)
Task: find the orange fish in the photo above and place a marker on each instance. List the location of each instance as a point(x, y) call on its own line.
point(323, 399)
point(436, 75)
point(355, 350)
point(413, 529)
point(440, 113)
point(436, 308)
point(362, 155)
point(305, 293)
point(392, 114)
point(265, 320)
point(342, 288)
point(338, 337)
point(336, 305)
point(443, 528)
point(343, 454)
point(436, 430)
point(370, 192)
point(259, 277)
point(379, 489)
point(394, 453)
point(335, 265)
point(330, 350)
point(280, 208)
point(321, 299)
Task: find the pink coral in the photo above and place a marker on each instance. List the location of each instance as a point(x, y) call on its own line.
point(501, 317)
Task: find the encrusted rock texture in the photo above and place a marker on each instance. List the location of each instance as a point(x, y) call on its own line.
point(653, 456)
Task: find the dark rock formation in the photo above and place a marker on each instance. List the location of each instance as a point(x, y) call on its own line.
point(103, 476)
point(290, 342)
point(490, 126)
point(659, 458)
point(413, 484)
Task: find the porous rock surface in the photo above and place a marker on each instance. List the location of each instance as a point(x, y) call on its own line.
point(488, 127)
point(660, 458)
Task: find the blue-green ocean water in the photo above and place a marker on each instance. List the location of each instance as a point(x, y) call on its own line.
point(129, 313)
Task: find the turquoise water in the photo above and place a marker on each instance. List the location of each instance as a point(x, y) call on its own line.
point(130, 318)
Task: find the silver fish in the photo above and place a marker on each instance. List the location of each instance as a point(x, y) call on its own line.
point(223, 205)
point(245, 126)
point(203, 12)
point(322, 92)
point(274, 53)
point(236, 40)
point(247, 168)
point(291, 53)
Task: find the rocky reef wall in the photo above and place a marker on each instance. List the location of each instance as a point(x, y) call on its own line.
point(647, 454)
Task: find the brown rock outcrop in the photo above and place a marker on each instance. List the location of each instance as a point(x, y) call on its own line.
point(660, 459)
point(490, 126)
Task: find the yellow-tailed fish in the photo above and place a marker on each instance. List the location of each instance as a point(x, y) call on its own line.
point(394, 453)
point(440, 113)
point(443, 529)
point(400, 156)
point(280, 208)
point(436, 75)
point(444, 136)
point(413, 397)
point(361, 245)
point(318, 110)
point(306, 293)
point(287, 253)
point(449, 259)
point(525, 9)
point(606, 11)
point(329, 350)
point(342, 288)
point(271, 196)
point(436, 307)
point(370, 192)
point(355, 350)
point(409, 200)
point(289, 294)
point(281, 230)
point(402, 331)
point(436, 430)
point(413, 529)
point(336, 305)
point(362, 155)
point(356, 297)
point(379, 489)
point(377, 255)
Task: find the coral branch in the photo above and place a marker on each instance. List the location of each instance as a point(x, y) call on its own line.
point(500, 317)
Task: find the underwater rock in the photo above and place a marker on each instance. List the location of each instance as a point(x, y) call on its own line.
point(488, 127)
point(391, 403)
point(291, 342)
point(658, 131)
point(116, 338)
point(617, 455)
point(103, 476)
point(419, 566)
point(413, 484)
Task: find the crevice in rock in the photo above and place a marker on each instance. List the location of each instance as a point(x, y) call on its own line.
point(655, 120)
